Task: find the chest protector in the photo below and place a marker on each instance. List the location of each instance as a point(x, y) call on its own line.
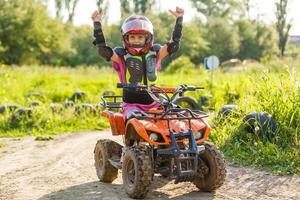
point(141, 68)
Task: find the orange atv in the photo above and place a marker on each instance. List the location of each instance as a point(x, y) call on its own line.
point(169, 140)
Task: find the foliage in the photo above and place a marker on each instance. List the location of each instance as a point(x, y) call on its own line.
point(57, 88)
point(193, 42)
point(135, 6)
point(28, 35)
point(43, 138)
point(142, 6)
point(266, 41)
point(279, 96)
point(273, 88)
point(163, 24)
point(256, 40)
point(103, 6)
point(282, 26)
point(48, 41)
point(218, 8)
point(2, 145)
point(223, 39)
point(125, 7)
point(65, 6)
point(181, 65)
point(84, 53)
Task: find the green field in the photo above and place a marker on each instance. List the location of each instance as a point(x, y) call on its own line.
point(272, 87)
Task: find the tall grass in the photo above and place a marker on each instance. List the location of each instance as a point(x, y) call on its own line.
point(269, 88)
point(53, 85)
point(272, 87)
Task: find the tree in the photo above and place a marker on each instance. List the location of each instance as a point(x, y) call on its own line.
point(71, 6)
point(142, 6)
point(67, 6)
point(2, 51)
point(137, 6)
point(59, 8)
point(257, 39)
point(84, 53)
point(218, 8)
point(102, 5)
point(247, 33)
point(125, 8)
point(223, 38)
point(193, 43)
point(266, 41)
point(282, 26)
point(247, 7)
point(28, 35)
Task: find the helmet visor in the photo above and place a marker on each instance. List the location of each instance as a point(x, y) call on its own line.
point(137, 25)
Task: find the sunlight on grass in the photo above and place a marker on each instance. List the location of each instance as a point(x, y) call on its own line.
point(34, 102)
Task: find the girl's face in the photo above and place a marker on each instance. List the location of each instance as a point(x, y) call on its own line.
point(136, 39)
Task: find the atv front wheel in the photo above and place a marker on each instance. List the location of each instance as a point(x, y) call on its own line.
point(186, 102)
point(104, 150)
point(211, 169)
point(137, 171)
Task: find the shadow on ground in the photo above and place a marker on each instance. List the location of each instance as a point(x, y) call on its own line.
point(98, 190)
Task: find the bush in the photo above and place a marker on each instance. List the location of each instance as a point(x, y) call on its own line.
point(29, 36)
point(182, 64)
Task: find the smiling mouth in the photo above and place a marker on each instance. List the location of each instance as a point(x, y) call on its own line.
point(137, 45)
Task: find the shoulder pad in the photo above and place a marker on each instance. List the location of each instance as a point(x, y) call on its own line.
point(120, 51)
point(156, 47)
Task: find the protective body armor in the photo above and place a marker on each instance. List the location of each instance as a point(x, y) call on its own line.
point(139, 69)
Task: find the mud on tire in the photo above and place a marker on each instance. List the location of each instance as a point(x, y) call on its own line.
point(211, 170)
point(137, 171)
point(104, 150)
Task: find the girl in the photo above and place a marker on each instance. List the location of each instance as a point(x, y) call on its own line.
point(139, 59)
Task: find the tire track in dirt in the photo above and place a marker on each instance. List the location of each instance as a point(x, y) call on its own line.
point(63, 168)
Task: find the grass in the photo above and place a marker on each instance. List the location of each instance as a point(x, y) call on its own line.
point(2, 145)
point(272, 87)
point(43, 138)
point(22, 85)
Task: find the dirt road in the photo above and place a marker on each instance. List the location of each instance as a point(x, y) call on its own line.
point(63, 168)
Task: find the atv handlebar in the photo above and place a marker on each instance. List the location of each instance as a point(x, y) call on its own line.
point(181, 88)
point(153, 90)
point(190, 88)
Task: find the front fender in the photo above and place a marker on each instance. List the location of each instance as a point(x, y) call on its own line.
point(135, 130)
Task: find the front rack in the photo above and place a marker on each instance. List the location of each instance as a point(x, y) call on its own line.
point(171, 114)
point(111, 104)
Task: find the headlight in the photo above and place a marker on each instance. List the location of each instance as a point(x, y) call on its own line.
point(199, 134)
point(153, 136)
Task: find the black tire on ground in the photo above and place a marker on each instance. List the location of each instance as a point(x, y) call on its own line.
point(261, 123)
point(137, 171)
point(212, 174)
point(228, 110)
point(104, 150)
point(186, 102)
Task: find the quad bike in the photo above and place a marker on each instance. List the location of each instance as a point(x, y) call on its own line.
point(168, 140)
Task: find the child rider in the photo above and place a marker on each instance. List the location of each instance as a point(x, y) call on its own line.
point(139, 59)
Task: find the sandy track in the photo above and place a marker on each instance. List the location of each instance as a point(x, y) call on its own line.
point(64, 169)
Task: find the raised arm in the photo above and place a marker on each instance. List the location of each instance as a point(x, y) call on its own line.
point(173, 45)
point(104, 51)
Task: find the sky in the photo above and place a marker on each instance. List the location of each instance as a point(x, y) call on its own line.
point(265, 9)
